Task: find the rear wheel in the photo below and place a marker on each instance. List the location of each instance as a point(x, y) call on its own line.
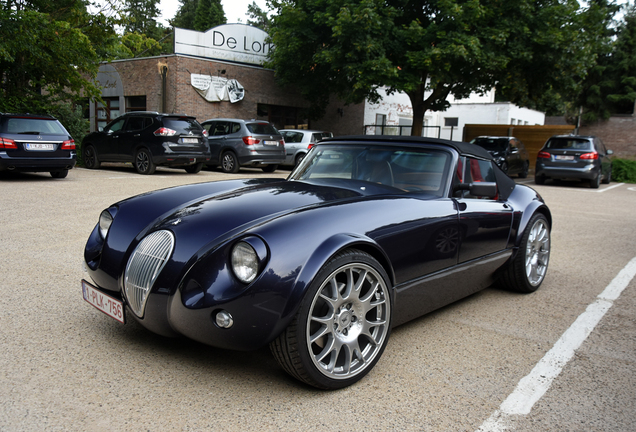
point(342, 326)
point(91, 160)
point(596, 182)
point(538, 179)
point(229, 162)
point(300, 158)
point(195, 168)
point(527, 270)
point(270, 168)
point(143, 162)
point(524, 171)
point(59, 174)
point(504, 167)
point(608, 178)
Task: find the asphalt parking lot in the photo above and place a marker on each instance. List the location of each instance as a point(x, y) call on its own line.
point(66, 366)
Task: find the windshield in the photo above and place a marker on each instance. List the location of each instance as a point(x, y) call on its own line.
point(405, 169)
point(262, 129)
point(34, 126)
point(492, 144)
point(569, 144)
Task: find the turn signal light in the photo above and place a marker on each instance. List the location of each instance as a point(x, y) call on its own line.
point(250, 140)
point(589, 156)
point(544, 155)
point(68, 145)
point(7, 143)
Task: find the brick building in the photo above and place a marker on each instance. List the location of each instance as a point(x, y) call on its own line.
point(167, 84)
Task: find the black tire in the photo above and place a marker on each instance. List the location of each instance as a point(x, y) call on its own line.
point(504, 167)
point(143, 162)
point(194, 168)
point(596, 182)
point(59, 174)
point(539, 179)
point(299, 159)
point(608, 178)
point(270, 168)
point(229, 162)
point(91, 159)
point(341, 352)
point(527, 270)
point(524, 170)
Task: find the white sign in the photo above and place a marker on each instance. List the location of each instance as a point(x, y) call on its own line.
point(233, 42)
point(217, 89)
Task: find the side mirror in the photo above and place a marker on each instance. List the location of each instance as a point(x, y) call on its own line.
point(481, 189)
point(610, 152)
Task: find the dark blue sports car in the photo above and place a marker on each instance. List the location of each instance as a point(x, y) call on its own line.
point(367, 233)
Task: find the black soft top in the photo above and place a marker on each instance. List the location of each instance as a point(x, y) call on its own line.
point(391, 140)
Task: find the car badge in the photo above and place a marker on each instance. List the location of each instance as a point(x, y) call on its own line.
point(39, 137)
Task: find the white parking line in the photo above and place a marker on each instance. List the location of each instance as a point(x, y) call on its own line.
point(609, 187)
point(534, 385)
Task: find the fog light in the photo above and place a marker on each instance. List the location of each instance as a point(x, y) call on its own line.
point(224, 319)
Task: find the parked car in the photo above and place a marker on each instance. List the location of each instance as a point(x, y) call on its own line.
point(366, 234)
point(509, 153)
point(574, 157)
point(299, 141)
point(253, 143)
point(35, 143)
point(149, 139)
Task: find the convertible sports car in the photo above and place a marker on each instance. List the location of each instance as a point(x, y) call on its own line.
point(365, 234)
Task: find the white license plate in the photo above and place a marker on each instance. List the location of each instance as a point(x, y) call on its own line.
point(40, 147)
point(561, 157)
point(270, 142)
point(105, 303)
point(190, 140)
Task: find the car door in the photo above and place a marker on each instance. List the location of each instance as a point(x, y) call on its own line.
point(107, 145)
point(216, 138)
point(514, 156)
point(130, 137)
point(485, 222)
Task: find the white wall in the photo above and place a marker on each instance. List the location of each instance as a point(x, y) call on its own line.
point(477, 109)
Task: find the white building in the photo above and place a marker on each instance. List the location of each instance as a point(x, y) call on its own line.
point(394, 114)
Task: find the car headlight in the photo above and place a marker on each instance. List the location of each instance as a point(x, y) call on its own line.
point(105, 221)
point(245, 262)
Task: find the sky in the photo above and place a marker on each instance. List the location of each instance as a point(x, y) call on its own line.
point(234, 9)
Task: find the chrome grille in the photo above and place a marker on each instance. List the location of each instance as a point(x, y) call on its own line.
point(144, 265)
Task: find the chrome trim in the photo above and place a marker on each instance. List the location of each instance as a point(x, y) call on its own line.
point(144, 266)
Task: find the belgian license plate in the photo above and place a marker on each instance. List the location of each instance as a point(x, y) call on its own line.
point(270, 142)
point(40, 147)
point(105, 303)
point(562, 157)
point(190, 141)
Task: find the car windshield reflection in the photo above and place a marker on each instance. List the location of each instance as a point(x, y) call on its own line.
point(403, 170)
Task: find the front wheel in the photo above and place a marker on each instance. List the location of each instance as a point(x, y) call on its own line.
point(528, 268)
point(144, 163)
point(608, 178)
point(343, 324)
point(524, 171)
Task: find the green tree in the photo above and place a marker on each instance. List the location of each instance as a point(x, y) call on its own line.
point(209, 14)
point(624, 65)
point(427, 49)
point(257, 17)
point(42, 60)
point(184, 18)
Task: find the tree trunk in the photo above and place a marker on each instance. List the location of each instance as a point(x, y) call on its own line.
point(419, 109)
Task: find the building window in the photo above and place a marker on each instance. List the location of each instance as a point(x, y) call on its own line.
point(107, 111)
point(380, 122)
point(451, 121)
point(135, 103)
point(283, 117)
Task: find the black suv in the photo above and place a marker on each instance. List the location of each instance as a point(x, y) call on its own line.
point(508, 152)
point(148, 139)
point(35, 143)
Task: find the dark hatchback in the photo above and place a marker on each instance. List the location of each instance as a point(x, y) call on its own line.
point(149, 139)
point(509, 153)
point(35, 143)
point(574, 157)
